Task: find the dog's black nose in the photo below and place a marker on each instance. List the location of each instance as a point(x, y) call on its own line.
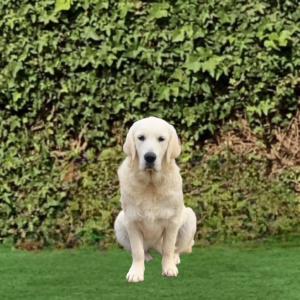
point(150, 157)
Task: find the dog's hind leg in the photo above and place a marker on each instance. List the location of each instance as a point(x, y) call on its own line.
point(186, 233)
point(121, 232)
point(148, 256)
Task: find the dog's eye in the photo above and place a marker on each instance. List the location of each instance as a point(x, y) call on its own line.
point(161, 139)
point(141, 138)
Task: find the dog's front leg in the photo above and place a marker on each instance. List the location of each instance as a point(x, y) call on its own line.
point(136, 272)
point(169, 239)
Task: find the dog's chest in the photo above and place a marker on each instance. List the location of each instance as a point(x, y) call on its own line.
point(156, 210)
point(152, 204)
point(150, 207)
point(149, 201)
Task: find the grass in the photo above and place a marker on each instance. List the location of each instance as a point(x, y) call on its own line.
point(209, 273)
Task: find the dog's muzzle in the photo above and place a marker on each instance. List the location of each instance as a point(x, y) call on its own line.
point(150, 158)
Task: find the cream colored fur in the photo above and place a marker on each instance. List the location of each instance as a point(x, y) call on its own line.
point(153, 215)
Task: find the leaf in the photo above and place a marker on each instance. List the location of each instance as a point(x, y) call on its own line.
point(16, 96)
point(175, 91)
point(118, 107)
point(164, 94)
point(119, 62)
point(273, 36)
point(193, 66)
point(265, 110)
point(137, 102)
point(285, 35)
point(15, 67)
point(199, 33)
point(206, 88)
point(157, 14)
point(62, 5)
point(110, 59)
point(91, 33)
point(178, 74)
point(149, 59)
point(218, 74)
point(210, 66)
point(270, 44)
point(123, 12)
point(178, 36)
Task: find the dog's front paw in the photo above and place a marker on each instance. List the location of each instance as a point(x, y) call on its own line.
point(169, 270)
point(135, 275)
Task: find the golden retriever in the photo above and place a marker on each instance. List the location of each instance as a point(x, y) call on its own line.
point(153, 215)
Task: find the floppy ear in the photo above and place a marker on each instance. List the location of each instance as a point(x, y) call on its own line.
point(174, 149)
point(129, 145)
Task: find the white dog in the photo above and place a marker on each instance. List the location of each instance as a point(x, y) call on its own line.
point(153, 215)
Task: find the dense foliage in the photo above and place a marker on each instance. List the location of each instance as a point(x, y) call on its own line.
point(75, 75)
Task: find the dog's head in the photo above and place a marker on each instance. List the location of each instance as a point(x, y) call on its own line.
point(152, 140)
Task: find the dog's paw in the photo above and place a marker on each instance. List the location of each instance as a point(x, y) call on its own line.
point(135, 275)
point(176, 258)
point(170, 270)
point(148, 257)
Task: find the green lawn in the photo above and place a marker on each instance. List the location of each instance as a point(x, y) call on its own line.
point(226, 273)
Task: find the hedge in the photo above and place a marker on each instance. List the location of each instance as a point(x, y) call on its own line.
point(74, 76)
